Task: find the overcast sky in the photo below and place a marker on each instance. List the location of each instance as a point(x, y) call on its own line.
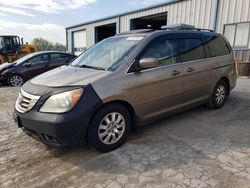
point(48, 18)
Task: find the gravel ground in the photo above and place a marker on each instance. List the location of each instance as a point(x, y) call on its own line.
point(198, 148)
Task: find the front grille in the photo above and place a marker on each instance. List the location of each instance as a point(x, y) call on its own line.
point(25, 101)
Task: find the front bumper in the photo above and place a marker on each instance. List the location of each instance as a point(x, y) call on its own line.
point(53, 129)
point(67, 129)
point(3, 79)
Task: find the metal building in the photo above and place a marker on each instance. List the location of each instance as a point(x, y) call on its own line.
point(230, 17)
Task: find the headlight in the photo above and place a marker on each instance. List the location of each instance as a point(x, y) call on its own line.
point(62, 102)
point(4, 72)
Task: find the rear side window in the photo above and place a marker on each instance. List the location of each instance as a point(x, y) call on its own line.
point(216, 46)
point(162, 49)
point(63, 56)
point(191, 49)
point(57, 57)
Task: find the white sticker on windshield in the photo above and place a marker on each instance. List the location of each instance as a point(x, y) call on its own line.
point(135, 38)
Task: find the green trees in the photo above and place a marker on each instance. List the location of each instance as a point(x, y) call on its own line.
point(45, 45)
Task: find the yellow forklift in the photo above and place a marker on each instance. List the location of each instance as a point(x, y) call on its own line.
point(12, 48)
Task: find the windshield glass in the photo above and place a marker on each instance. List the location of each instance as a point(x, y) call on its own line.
point(9, 44)
point(108, 54)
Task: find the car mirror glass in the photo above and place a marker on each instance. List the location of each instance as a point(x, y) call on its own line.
point(68, 61)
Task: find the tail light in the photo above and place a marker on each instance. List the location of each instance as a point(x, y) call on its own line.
point(235, 63)
point(236, 66)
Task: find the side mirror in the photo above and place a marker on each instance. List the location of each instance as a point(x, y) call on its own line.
point(27, 64)
point(148, 63)
point(68, 61)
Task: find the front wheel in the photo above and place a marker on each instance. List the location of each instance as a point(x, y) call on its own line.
point(15, 80)
point(219, 96)
point(109, 128)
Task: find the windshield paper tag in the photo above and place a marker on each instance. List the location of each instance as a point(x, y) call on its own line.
point(134, 38)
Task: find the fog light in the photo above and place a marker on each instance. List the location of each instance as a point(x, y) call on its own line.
point(49, 138)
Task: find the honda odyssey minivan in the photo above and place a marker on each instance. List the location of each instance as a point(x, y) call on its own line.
point(124, 82)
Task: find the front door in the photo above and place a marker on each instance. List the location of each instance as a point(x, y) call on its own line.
point(160, 89)
point(35, 66)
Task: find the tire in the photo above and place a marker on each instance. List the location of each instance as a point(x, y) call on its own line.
point(109, 128)
point(15, 80)
point(219, 96)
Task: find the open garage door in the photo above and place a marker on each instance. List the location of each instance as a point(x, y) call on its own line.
point(153, 21)
point(79, 42)
point(104, 31)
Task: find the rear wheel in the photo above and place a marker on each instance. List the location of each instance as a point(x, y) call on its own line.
point(109, 128)
point(15, 80)
point(219, 96)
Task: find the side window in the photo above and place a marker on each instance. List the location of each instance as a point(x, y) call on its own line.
point(191, 49)
point(63, 56)
point(58, 57)
point(41, 59)
point(216, 46)
point(162, 49)
point(55, 57)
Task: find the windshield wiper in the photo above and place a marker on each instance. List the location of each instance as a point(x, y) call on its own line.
point(92, 67)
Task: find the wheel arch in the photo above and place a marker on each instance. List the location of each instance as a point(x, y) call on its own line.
point(15, 73)
point(225, 79)
point(134, 117)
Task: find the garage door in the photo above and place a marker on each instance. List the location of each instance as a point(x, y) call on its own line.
point(79, 42)
point(155, 21)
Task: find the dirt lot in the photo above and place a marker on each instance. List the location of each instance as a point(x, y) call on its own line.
point(198, 148)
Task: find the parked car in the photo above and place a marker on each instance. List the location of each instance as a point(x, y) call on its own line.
point(126, 81)
point(29, 66)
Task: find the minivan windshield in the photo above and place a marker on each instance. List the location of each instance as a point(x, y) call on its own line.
point(108, 54)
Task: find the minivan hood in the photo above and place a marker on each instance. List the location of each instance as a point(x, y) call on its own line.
point(69, 76)
point(6, 66)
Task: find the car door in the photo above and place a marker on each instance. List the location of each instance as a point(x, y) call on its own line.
point(197, 74)
point(160, 89)
point(57, 60)
point(35, 66)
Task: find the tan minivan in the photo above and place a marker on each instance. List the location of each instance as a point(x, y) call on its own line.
point(126, 81)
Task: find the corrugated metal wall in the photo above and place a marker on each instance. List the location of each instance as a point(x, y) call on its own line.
point(233, 11)
point(196, 12)
point(90, 30)
point(200, 13)
point(242, 55)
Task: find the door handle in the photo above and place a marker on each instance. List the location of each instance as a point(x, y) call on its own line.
point(175, 72)
point(190, 69)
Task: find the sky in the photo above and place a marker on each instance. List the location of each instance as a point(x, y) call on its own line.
point(48, 18)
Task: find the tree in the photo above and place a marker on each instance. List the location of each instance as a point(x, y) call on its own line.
point(46, 45)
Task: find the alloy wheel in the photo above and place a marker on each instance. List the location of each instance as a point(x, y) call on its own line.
point(16, 80)
point(220, 94)
point(111, 128)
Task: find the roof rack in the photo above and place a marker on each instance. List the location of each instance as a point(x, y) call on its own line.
point(136, 31)
point(184, 27)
